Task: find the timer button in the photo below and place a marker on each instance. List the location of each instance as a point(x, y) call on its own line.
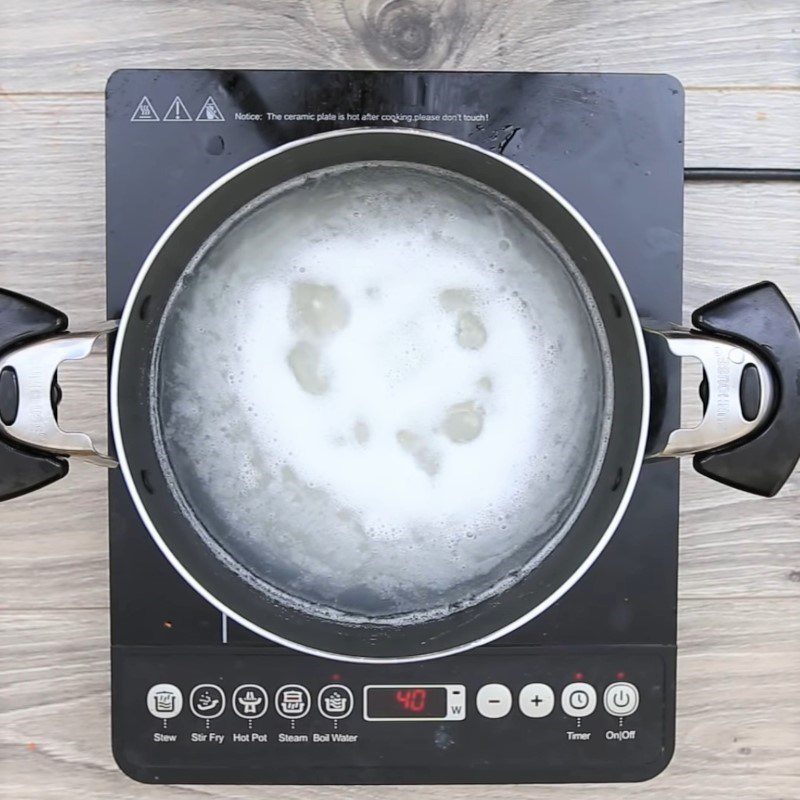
point(493, 700)
point(621, 699)
point(579, 700)
point(536, 700)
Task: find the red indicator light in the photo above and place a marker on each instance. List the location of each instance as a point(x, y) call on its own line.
point(578, 676)
point(620, 675)
point(336, 677)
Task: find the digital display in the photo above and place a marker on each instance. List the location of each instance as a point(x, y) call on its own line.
point(406, 702)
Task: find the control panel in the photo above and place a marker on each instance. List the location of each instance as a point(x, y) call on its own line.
point(509, 715)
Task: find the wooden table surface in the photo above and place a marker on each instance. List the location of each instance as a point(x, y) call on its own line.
point(739, 616)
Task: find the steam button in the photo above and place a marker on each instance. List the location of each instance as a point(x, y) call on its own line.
point(621, 699)
point(292, 701)
point(579, 700)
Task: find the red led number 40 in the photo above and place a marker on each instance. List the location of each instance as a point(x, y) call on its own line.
point(411, 699)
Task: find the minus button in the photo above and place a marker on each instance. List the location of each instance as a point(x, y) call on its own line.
point(493, 700)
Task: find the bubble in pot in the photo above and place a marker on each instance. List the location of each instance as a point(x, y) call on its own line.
point(421, 393)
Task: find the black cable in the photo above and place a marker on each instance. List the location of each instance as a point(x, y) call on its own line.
point(740, 174)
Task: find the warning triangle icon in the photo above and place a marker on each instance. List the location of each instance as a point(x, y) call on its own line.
point(210, 112)
point(177, 112)
point(144, 112)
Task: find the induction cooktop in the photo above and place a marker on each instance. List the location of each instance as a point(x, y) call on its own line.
point(584, 692)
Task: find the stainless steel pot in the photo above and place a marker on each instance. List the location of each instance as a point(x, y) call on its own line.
point(747, 342)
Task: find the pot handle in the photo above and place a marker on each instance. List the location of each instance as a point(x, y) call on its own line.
point(34, 450)
point(749, 345)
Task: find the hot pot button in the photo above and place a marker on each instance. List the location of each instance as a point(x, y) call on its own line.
point(621, 699)
point(250, 701)
point(493, 700)
point(579, 700)
point(536, 700)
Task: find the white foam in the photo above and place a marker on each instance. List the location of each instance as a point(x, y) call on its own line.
point(380, 392)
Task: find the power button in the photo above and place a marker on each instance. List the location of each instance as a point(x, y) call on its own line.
point(621, 699)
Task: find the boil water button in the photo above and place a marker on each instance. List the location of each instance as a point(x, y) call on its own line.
point(335, 701)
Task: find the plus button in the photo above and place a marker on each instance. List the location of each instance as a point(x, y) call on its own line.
point(536, 700)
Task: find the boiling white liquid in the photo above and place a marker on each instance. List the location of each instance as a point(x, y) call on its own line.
point(381, 393)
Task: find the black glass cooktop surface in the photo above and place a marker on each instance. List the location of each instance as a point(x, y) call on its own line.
point(198, 698)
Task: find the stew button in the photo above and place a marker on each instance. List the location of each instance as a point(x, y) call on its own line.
point(164, 701)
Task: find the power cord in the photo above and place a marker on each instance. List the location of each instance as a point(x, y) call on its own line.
point(740, 174)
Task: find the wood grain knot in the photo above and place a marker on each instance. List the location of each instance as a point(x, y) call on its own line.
point(408, 32)
point(407, 28)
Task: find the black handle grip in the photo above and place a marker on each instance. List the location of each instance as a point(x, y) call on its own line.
point(760, 316)
point(23, 469)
